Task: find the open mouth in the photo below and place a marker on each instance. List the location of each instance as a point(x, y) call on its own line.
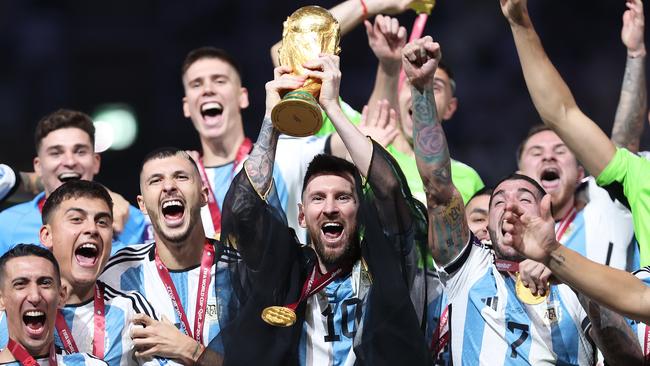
point(68, 176)
point(550, 178)
point(332, 230)
point(173, 210)
point(87, 254)
point(34, 320)
point(211, 110)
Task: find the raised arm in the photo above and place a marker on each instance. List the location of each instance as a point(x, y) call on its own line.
point(326, 68)
point(259, 165)
point(552, 97)
point(386, 39)
point(616, 289)
point(633, 103)
point(448, 229)
point(350, 13)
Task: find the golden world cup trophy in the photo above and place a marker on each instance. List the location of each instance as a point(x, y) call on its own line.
point(308, 32)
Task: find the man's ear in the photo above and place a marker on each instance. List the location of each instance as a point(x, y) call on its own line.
point(186, 108)
point(204, 195)
point(97, 163)
point(63, 295)
point(141, 205)
point(301, 216)
point(243, 98)
point(37, 166)
point(450, 109)
point(45, 235)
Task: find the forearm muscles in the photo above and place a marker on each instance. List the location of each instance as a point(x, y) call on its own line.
point(259, 164)
point(632, 105)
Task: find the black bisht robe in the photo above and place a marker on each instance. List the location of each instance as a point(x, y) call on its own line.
point(393, 233)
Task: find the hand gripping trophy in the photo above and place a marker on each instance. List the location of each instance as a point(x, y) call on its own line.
point(308, 32)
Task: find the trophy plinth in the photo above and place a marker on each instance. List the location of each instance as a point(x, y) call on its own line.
point(298, 114)
point(308, 32)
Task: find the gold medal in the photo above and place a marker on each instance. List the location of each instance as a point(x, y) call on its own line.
point(526, 296)
point(279, 316)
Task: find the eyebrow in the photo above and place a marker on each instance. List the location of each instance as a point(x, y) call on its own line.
point(479, 210)
point(525, 190)
point(100, 214)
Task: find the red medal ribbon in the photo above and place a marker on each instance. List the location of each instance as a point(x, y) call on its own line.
point(314, 285)
point(24, 358)
point(565, 223)
point(438, 341)
point(99, 332)
point(207, 259)
point(506, 266)
point(40, 204)
point(213, 206)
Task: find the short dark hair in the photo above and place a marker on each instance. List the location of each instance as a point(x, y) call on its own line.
point(324, 163)
point(516, 176)
point(167, 152)
point(534, 130)
point(485, 191)
point(74, 189)
point(25, 250)
point(64, 118)
point(209, 52)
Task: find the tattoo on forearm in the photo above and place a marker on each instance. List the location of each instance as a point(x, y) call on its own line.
point(259, 164)
point(448, 229)
point(630, 114)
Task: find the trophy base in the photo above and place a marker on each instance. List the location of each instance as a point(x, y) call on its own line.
point(298, 114)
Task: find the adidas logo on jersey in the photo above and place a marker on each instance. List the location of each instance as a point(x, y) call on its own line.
point(492, 302)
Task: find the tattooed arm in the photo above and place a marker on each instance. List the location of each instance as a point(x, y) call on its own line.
point(259, 165)
point(618, 290)
point(632, 105)
point(448, 229)
point(612, 334)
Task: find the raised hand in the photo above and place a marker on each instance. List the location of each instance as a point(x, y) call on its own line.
point(326, 68)
point(633, 28)
point(386, 39)
point(532, 236)
point(282, 80)
point(516, 11)
point(535, 276)
point(420, 60)
point(383, 127)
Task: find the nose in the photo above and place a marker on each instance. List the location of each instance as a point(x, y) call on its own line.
point(33, 294)
point(208, 88)
point(548, 155)
point(169, 185)
point(69, 159)
point(331, 207)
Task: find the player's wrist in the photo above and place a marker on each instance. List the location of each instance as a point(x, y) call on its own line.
point(390, 66)
point(554, 252)
point(636, 53)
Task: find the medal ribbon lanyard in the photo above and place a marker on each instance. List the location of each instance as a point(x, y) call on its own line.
point(99, 332)
point(314, 285)
point(207, 259)
point(213, 206)
point(24, 358)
